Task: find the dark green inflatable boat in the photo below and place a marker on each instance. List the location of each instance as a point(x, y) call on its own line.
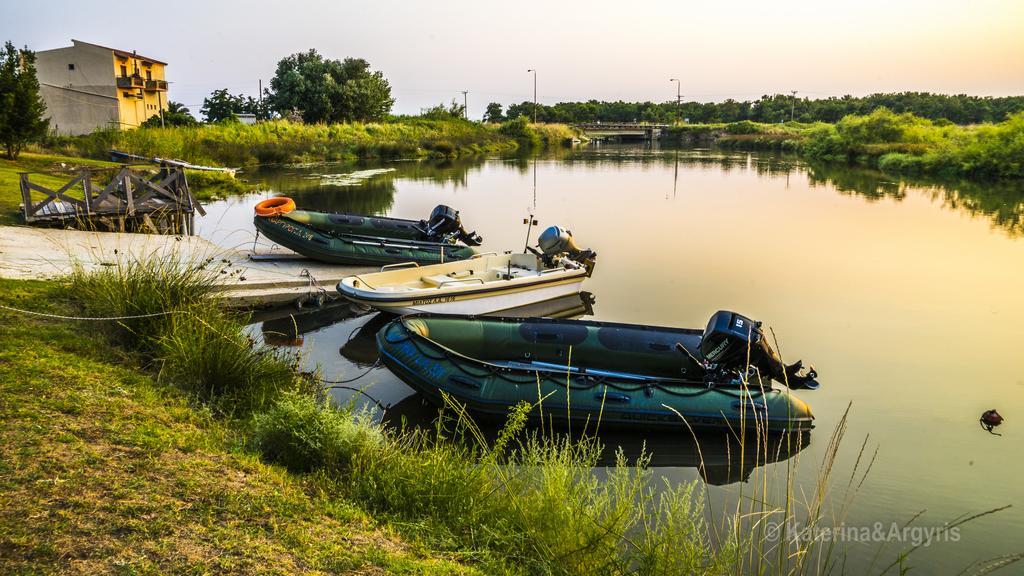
point(623, 375)
point(373, 240)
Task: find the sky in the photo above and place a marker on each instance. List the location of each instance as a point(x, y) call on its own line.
point(432, 51)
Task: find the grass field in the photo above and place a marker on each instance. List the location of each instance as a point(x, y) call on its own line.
point(104, 470)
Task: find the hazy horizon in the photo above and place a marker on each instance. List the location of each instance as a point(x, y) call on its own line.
point(599, 50)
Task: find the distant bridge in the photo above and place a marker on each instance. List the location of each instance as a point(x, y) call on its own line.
point(622, 130)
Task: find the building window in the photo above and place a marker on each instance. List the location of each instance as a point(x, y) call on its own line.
point(124, 71)
point(71, 66)
point(149, 74)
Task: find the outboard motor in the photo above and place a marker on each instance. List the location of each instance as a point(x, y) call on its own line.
point(733, 344)
point(444, 224)
point(556, 242)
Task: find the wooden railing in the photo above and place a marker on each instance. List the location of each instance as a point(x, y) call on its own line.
point(130, 193)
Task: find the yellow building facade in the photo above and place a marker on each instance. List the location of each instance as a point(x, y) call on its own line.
point(141, 87)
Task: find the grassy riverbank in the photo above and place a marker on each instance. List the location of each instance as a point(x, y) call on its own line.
point(143, 446)
point(894, 143)
point(105, 468)
point(235, 144)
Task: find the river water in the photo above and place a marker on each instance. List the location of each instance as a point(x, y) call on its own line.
point(908, 298)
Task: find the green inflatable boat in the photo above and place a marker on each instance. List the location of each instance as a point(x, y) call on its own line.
point(622, 375)
point(355, 239)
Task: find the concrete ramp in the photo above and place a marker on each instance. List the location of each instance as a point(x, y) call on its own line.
point(276, 278)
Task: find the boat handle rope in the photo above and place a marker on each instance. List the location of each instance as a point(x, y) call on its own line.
point(558, 381)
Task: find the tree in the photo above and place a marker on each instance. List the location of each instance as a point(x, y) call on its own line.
point(493, 113)
point(323, 90)
point(442, 112)
point(21, 108)
point(175, 115)
point(222, 106)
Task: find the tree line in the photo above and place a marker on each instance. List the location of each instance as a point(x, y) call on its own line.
point(959, 109)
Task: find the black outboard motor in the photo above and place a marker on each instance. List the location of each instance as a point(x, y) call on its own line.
point(444, 224)
point(730, 337)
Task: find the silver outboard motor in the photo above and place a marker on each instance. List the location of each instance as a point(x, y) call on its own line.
point(732, 344)
point(556, 242)
point(444, 223)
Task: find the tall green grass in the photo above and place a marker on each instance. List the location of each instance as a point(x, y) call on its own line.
point(236, 144)
point(894, 143)
point(533, 501)
point(174, 325)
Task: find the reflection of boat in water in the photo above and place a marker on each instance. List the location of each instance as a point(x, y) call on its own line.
point(287, 330)
point(634, 376)
point(481, 284)
point(357, 239)
point(361, 347)
point(718, 456)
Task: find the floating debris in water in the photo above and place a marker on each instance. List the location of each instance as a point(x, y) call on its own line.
point(349, 178)
point(990, 419)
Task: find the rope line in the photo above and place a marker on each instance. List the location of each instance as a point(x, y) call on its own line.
point(90, 318)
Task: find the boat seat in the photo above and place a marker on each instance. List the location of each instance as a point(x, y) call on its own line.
point(435, 280)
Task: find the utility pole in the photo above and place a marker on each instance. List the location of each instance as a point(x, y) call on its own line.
point(160, 105)
point(465, 104)
point(259, 109)
point(534, 94)
point(792, 107)
point(679, 99)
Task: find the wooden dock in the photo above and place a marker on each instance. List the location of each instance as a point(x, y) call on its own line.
point(273, 279)
point(129, 198)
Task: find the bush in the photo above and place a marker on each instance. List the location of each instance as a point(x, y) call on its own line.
point(195, 345)
point(209, 356)
point(522, 131)
point(300, 434)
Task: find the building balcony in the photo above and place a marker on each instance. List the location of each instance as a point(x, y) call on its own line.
point(130, 82)
point(156, 85)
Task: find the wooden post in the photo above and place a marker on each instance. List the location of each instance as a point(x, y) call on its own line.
point(87, 189)
point(26, 197)
point(127, 181)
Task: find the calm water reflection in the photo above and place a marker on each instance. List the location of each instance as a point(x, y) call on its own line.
point(905, 295)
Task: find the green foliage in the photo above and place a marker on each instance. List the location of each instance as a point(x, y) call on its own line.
point(323, 90)
point(21, 107)
point(279, 141)
point(776, 108)
point(530, 500)
point(222, 106)
point(907, 144)
point(493, 113)
point(520, 129)
point(300, 434)
point(442, 112)
point(194, 344)
point(175, 115)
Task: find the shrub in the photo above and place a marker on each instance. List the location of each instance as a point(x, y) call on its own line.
point(522, 131)
point(300, 434)
point(209, 356)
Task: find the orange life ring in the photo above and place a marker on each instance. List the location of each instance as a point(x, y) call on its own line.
point(275, 206)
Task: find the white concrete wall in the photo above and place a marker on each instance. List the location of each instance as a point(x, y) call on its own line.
point(81, 100)
point(74, 112)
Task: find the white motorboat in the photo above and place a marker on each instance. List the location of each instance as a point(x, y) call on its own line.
point(483, 284)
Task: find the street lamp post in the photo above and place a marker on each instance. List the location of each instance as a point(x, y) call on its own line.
point(534, 94)
point(679, 98)
point(792, 105)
